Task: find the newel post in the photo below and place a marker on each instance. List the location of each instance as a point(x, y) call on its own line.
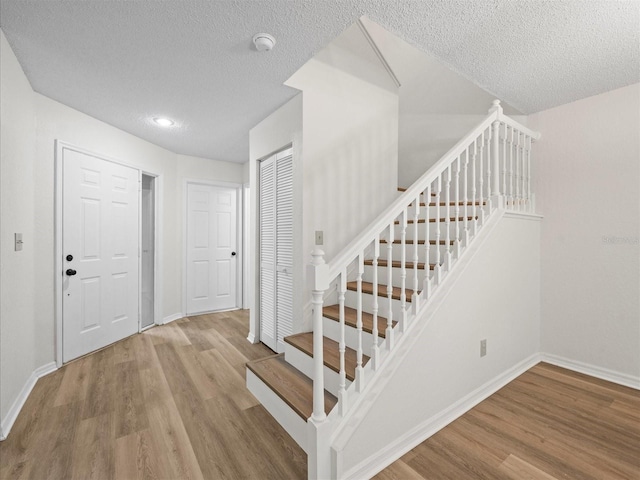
point(495, 148)
point(318, 450)
point(319, 280)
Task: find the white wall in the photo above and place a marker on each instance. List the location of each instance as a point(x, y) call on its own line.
point(437, 105)
point(280, 129)
point(350, 136)
point(19, 271)
point(30, 125)
point(588, 188)
point(444, 366)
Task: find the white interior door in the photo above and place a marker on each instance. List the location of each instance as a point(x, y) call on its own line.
point(276, 249)
point(100, 303)
point(211, 248)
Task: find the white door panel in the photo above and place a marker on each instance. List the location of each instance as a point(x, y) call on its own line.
point(276, 249)
point(211, 248)
point(100, 232)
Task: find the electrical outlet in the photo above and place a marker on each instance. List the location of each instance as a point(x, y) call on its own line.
point(18, 242)
point(483, 347)
point(319, 237)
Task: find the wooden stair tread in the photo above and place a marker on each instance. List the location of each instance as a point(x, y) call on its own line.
point(420, 242)
point(453, 204)
point(332, 312)
point(398, 264)
point(290, 384)
point(331, 353)
point(433, 220)
point(403, 189)
point(382, 290)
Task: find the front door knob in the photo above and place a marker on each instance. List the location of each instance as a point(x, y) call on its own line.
point(233, 254)
point(71, 272)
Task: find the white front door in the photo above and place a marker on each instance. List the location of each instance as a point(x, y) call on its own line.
point(100, 242)
point(211, 248)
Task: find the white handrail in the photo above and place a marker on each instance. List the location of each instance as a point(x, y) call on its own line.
point(390, 214)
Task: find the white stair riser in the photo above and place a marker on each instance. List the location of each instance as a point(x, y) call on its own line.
point(396, 275)
point(293, 424)
point(410, 232)
point(443, 211)
point(351, 300)
point(304, 363)
point(331, 329)
point(433, 250)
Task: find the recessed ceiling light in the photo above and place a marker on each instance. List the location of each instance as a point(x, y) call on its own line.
point(163, 122)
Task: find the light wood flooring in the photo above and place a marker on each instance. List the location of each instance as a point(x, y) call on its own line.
point(549, 423)
point(171, 403)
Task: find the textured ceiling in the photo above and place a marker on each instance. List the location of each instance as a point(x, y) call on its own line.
point(192, 60)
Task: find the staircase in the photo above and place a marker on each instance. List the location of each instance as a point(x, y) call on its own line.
point(377, 289)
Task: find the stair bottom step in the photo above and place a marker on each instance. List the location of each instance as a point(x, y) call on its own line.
point(291, 385)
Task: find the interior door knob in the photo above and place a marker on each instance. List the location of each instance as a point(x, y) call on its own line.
point(71, 272)
point(233, 254)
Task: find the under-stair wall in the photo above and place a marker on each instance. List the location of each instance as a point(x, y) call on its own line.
point(493, 295)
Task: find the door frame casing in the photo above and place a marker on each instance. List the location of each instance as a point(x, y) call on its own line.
point(59, 147)
point(239, 237)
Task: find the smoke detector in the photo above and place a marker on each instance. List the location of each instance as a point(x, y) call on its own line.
point(263, 42)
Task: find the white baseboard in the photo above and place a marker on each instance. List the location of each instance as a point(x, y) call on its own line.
point(385, 457)
point(12, 414)
point(592, 370)
point(172, 318)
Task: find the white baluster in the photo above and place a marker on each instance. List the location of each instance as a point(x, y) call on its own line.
point(359, 369)
point(375, 350)
point(481, 178)
point(342, 390)
point(319, 276)
point(511, 148)
point(523, 171)
point(504, 162)
point(473, 188)
point(518, 160)
point(389, 332)
point(529, 195)
point(438, 270)
point(447, 200)
point(457, 209)
point(496, 147)
point(426, 287)
point(403, 270)
point(488, 141)
point(416, 256)
point(466, 196)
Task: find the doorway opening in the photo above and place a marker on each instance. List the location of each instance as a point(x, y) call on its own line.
point(148, 251)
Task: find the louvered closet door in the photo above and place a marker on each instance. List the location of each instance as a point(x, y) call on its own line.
point(276, 249)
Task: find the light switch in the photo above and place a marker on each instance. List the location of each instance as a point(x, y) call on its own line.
point(319, 237)
point(18, 242)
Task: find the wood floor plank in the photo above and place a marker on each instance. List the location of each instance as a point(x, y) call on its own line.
point(518, 469)
point(93, 457)
point(130, 411)
point(135, 457)
point(100, 397)
point(74, 383)
point(177, 459)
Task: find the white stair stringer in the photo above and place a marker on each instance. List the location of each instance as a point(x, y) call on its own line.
point(360, 403)
point(514, 343)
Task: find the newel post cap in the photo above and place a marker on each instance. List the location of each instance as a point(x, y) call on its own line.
point(318, 271)
point(495, 106)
